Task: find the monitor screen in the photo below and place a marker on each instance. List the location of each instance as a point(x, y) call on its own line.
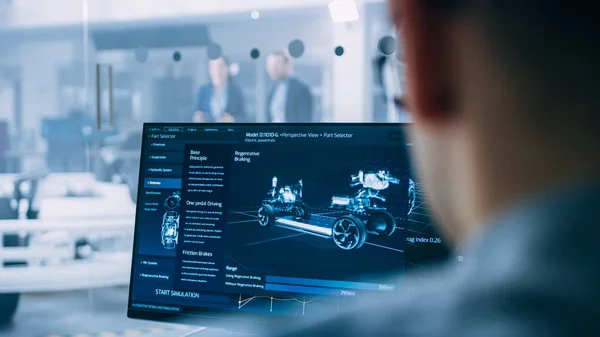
point(273, 221)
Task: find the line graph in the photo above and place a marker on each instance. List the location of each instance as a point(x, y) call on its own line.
point(244, 301)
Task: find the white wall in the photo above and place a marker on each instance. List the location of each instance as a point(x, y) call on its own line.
point(269, 35)
point(7, 102)
point(351, 81)
point(29, 13)
point(38, 62)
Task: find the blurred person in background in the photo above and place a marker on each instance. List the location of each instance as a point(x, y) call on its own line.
point(510, 157)
point(219, 101)
point(290, 99)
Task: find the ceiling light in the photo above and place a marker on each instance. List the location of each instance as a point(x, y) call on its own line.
point(343, 11)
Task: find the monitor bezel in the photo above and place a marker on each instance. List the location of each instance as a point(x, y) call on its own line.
point(210, 317)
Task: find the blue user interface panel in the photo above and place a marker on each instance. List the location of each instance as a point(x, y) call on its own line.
point(275, 219)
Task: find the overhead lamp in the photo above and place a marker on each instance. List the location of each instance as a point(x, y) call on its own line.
point(343, 11)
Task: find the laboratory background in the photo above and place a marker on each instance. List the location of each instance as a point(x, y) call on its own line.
point(79, 77)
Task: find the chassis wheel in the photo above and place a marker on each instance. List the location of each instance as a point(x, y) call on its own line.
point(349, 232)
point(412, 197)
point(266, 215)
point(302, 211)
point(8, 306)
point(382, 222)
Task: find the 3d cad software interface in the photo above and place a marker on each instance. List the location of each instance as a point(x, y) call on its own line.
point(274, 219)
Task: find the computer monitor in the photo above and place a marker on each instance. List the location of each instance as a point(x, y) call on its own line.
point(242, 226)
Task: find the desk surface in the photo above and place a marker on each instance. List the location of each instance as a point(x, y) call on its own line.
point(199, 332)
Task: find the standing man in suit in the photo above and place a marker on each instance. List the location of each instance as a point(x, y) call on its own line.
point(506, 134)
point(290, 99)
point(220, 100)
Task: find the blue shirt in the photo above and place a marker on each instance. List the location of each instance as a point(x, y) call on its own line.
point(279, 102)
point(213, 103)
point(218, 102)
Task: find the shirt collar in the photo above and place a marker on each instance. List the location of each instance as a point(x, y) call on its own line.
point(224, 89)
point(284, 81)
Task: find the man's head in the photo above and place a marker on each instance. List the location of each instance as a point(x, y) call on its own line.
point(218, 70)
point(503, 98)
point(278, 66)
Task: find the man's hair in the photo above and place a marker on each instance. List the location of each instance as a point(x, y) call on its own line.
point(552, 44)
point(545, 30)
point(282, 54)
point(227, 64)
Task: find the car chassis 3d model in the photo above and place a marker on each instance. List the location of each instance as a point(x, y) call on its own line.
point(359, 215)
point(286, 201)
point(170, 222)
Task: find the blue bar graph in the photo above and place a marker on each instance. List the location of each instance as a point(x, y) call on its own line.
point(330, 284)
point(308, 290)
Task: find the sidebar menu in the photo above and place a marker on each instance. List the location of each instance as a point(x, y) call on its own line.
point(200, 246)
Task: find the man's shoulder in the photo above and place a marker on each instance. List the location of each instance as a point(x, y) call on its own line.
point(511, 296)
point(205, 88)
point(535, 272)
point(235, 89)
point(297, 83)
point(460, 300)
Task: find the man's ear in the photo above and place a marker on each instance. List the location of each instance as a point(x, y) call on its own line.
point(427, 49)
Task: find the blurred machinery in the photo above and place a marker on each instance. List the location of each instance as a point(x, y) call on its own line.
point(70, 141)
point(61, 232)
point(4, 147)
point(22, 203)
point(119, 160)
